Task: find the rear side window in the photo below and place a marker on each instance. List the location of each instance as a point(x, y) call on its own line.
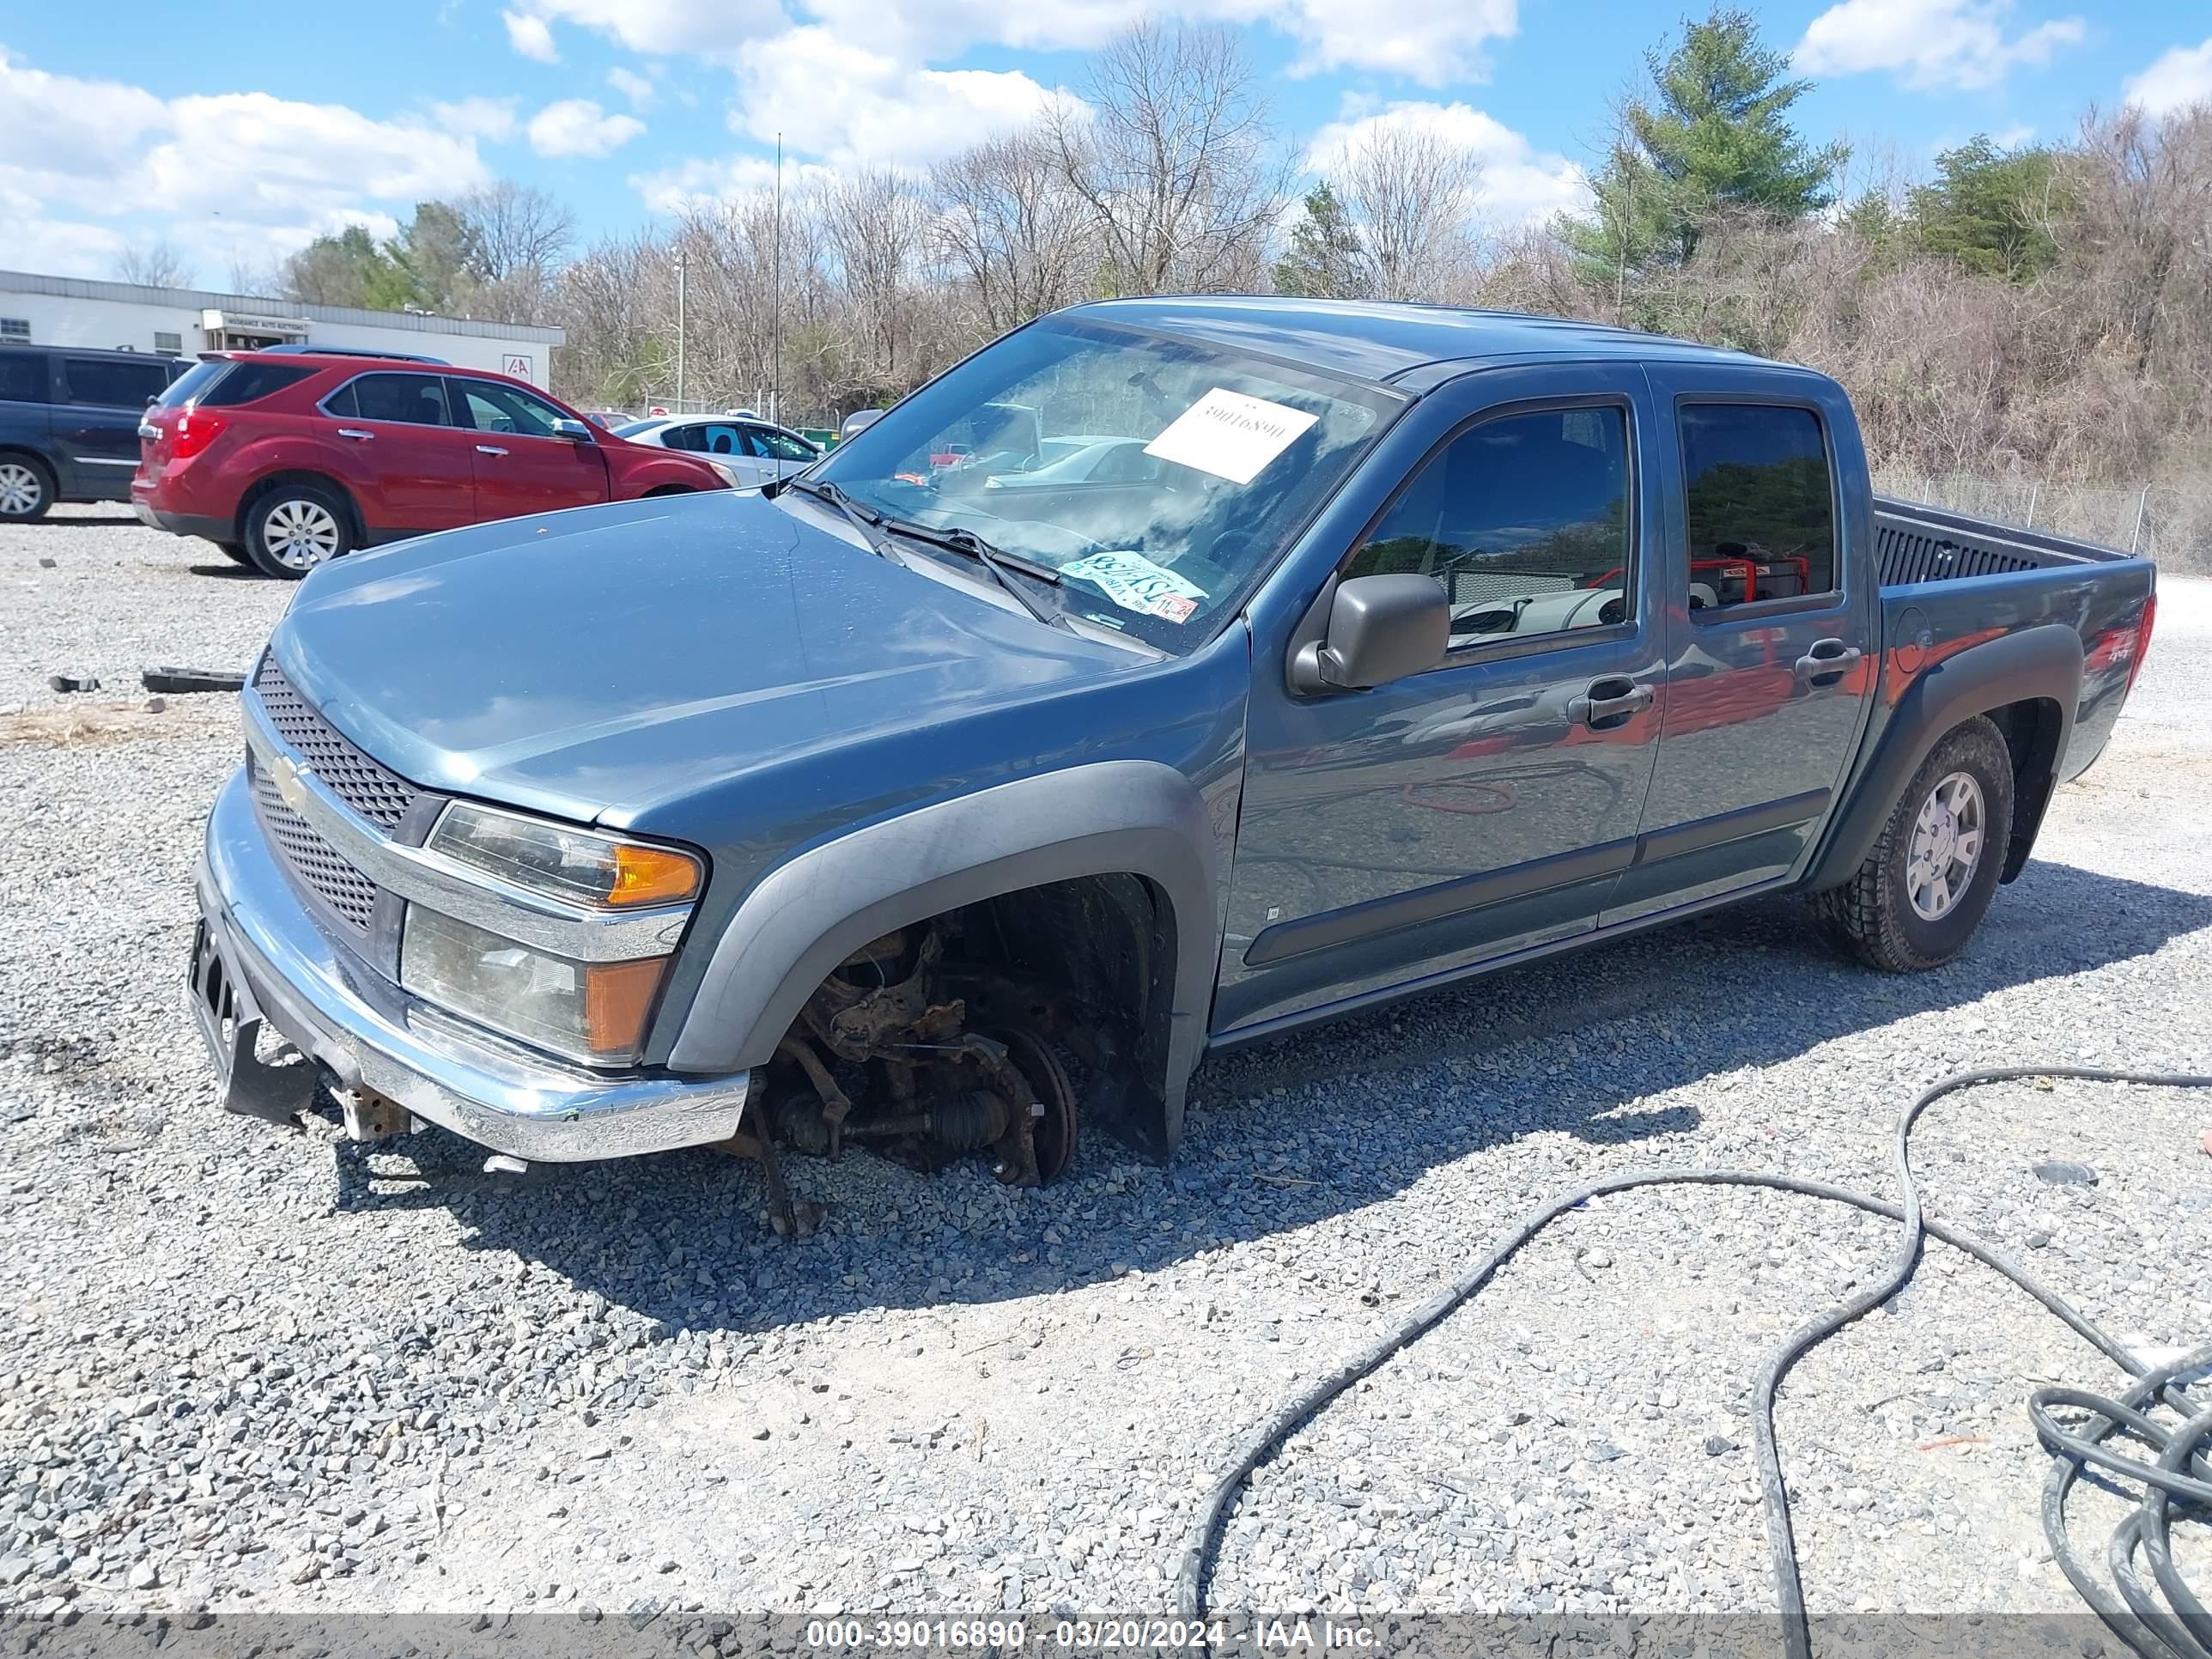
point(412, 399)
point(249, 383)
point(22, 378)
point(111, 383)
point(1524, 521)
point(1761, 512)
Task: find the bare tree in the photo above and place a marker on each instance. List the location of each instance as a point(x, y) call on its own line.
point(515, 228)
point(153, 264)
point(1009, 228)
point(1411, 193)
point(878, 224)
point(1175, 159)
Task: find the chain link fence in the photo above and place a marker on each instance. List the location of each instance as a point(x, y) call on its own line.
point(2170, 522)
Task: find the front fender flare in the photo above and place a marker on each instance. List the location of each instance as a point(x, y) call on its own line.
point(2041, 664)
point(810, 913)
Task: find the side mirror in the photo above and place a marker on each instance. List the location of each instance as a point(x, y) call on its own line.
point(1380, 629)
point(857, 421)
point(575, 431)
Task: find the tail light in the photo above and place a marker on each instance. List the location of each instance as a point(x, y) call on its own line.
point(2142, 640)
point(192, 431)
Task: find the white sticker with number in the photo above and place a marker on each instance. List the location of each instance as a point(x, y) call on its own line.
point(1135, 583)
point(1230, 434)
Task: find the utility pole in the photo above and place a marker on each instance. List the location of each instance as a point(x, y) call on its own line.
point(680, 258)
point(776, 297)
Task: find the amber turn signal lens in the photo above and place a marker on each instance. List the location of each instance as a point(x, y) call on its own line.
point(617, 996)
point(652, 875)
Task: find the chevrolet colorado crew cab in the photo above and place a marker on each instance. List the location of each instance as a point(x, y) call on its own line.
point(941, 797)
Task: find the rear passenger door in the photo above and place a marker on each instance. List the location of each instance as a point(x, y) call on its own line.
point(98, 405)
point(522, 466)
point(1770, 638)
point(411, 468)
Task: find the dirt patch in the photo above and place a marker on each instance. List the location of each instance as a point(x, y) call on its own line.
point(74, 726)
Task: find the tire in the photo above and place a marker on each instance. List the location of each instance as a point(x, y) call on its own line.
point(296, 527)
point(235, 552)
point(1920, 896)
point(27, 489)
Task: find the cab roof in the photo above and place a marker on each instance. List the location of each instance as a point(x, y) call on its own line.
point(1390, 342)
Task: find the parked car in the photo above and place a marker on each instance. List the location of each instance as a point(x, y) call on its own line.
point(69, 424)
point(934, 820)
point(1082, 459)
point(608, 420)
point(745, 452)
point(288, 461)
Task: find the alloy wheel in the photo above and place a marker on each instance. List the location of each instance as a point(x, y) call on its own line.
point(1945, 848)
point(21, 489)
point(300, 534)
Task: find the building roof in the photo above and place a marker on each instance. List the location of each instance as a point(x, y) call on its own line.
point(193, 299)
point(1381, 341)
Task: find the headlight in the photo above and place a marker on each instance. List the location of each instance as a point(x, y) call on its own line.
point(578, 865)
point(593, 1012)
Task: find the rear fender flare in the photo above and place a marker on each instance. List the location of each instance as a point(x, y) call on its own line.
point(2038, 663)
point(810, 913)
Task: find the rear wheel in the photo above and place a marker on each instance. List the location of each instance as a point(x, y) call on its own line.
point(1925, 887)
point(235, 552)
point(294, 528)
point(26, 490)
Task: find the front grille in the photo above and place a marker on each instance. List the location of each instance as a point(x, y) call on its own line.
point(312, 861)
point(373, 790)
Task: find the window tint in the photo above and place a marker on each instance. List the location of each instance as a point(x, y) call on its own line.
point(112, 383)
point(416, 399)
point(713, 438)
point(778, 446)
point(248, 382)
point(1524, 522)
point(22, 378)
point(490, 407)
point(1762, 523)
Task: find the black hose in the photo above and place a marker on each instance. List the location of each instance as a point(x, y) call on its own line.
point(2181, 1471)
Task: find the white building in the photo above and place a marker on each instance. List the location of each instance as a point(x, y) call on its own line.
point(178, 322)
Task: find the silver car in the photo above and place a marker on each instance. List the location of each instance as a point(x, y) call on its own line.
point(748, 452)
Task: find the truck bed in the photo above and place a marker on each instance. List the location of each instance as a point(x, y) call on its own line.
point(1915, 543)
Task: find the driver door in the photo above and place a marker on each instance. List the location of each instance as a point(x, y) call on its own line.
point(1488, 805)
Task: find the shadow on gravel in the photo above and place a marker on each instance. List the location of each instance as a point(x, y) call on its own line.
point(1299, 1130)
point(106, 521)
point(228, 572)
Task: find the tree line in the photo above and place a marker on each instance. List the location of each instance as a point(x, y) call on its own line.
point(2044, 310)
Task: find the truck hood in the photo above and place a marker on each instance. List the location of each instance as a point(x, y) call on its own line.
point(596, 663)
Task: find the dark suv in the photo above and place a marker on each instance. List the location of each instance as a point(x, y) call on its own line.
point(69, 424)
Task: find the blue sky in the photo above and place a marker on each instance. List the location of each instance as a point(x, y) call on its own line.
point(235, 133)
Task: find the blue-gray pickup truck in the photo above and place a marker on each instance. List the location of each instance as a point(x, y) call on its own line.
point(1169, 674)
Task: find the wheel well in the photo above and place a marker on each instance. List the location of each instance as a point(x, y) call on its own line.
point(16, 451)
point(321, 480)
point(668, 489)
point(2032, 730)
point(1090, 961)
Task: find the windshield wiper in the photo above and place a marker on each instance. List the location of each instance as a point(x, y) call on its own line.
point(862, 521)
point(960, 539)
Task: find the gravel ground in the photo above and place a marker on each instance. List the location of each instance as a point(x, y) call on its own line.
point(254, 1368)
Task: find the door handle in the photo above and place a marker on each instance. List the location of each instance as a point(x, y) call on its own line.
point(1825, 663)
point(1609, 703)
point(355, 434)
point(489, 449)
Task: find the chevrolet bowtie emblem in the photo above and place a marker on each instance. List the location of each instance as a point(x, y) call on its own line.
point(291, 780)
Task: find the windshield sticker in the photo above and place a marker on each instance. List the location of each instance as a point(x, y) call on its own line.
point(1230, 436)
point(1135, 583)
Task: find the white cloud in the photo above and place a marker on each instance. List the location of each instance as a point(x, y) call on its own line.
point(578, 126)
point(1426, 42)
point(86, 165)
point(857, 107)
point(695, 185)
point(530, 36)
point(1521, 183)
point(2178, 78)
point(1928, 44)
point(478, 118)
point(659, 27)
point(633, 86)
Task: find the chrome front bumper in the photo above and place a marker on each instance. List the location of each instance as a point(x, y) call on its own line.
point(508, 1099)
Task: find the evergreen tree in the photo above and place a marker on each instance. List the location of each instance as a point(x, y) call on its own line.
point(1322, 263)
point(1986, 209)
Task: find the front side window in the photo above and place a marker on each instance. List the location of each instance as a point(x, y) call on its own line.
point(110, 383)
point(1248, 449)
point(490, 407)
point(779, 445)
point(1524, 522)
point(1761, 512)
point(410, 399)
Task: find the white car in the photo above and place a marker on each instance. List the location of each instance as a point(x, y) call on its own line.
point(1085, 459)
point(748, 452)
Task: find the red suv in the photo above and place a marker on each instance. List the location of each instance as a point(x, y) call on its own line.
point(285, 461)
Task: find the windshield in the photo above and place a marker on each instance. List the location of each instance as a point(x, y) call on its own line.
point(1159, 478)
